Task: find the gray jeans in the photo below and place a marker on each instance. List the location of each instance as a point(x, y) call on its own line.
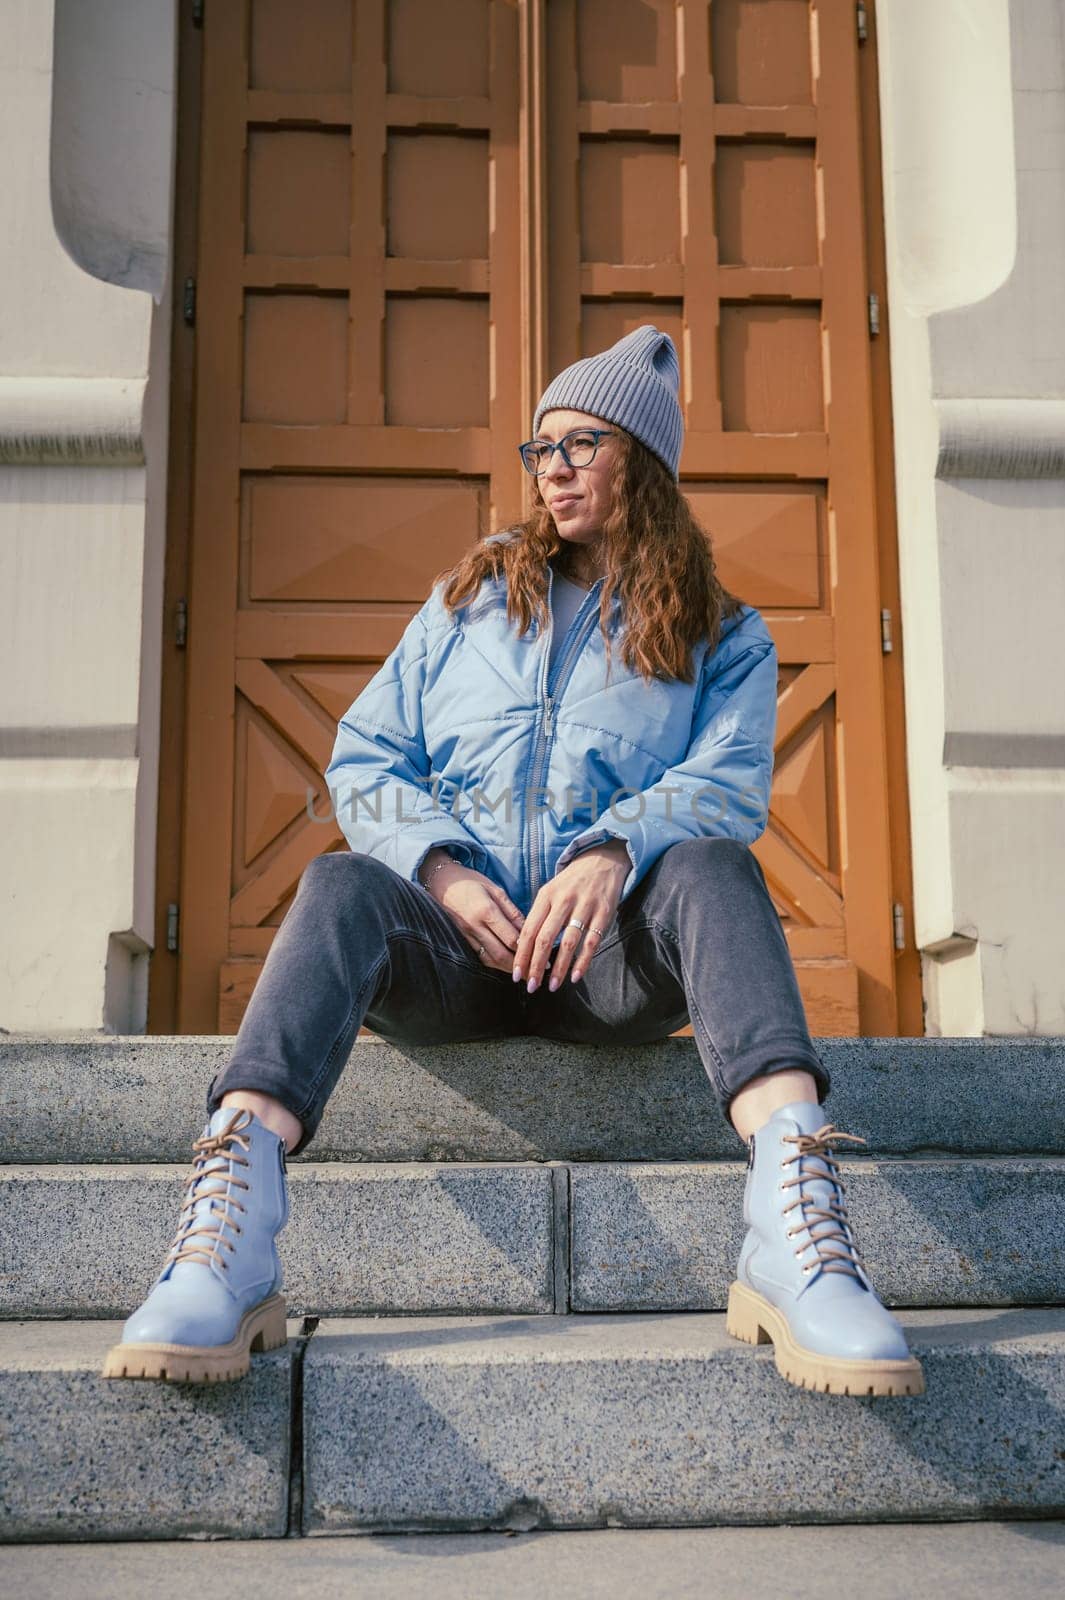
point(698, 939)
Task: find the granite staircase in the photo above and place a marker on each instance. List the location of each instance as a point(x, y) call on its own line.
point(506, 1268)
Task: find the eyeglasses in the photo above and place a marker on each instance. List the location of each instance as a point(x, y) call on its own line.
point(579, 449)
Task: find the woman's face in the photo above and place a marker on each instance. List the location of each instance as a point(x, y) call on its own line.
point(578, 498)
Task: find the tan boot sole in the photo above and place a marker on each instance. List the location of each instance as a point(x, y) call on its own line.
point(755, 1320)
point(261, 1328)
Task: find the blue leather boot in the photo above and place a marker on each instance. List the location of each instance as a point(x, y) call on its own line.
point(800, 1280)
point(218, 1295)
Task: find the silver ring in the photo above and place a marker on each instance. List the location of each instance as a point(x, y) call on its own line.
point(573, 923)
point(480, 950)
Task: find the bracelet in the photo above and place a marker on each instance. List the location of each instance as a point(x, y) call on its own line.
point(452, 861)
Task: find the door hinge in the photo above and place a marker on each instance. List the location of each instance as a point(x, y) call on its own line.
point(886, 642)
point(899, 919)
point(874, 314)
point(188, 306)
point(172, 916)
point(863, 22)
point(197, 13)
point(181, 623)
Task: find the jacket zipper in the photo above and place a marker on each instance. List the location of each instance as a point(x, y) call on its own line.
point(546, 731)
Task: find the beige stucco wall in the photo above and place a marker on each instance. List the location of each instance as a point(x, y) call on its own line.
point(83, 411)
point(973, 116)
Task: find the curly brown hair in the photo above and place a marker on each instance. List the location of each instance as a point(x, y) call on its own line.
point(659, 561)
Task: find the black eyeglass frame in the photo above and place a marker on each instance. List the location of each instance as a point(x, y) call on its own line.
point(599, 433)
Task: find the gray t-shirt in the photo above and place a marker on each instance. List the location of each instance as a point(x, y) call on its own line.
point(565, 601)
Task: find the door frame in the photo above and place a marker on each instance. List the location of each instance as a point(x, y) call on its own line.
point(164, 967)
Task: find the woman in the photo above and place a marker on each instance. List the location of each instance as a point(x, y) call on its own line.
point(591, 649)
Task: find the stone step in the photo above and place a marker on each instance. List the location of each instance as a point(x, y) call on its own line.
point(893, 1561)
point(574, 1422)
point(934, 1232)
point(441, 1423)
point(87, 1240)
point(86, 1457)
point(142, 1098)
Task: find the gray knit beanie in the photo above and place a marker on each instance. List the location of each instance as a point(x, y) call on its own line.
point(634, 384)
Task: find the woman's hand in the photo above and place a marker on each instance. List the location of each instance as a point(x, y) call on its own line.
point(482, 911)
point(588, 889)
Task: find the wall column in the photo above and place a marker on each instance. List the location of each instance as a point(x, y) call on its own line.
point(87, 103)
point(973, 108)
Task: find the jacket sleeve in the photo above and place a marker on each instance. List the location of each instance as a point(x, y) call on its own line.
point(721, 788)
point(378, 775)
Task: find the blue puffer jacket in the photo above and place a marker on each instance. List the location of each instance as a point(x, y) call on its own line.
point(463, 738)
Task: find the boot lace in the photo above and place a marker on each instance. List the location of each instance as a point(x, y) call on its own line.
point(208, 1149)
point(830, 1219)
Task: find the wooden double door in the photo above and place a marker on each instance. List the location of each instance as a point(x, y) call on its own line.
point(409, 215)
